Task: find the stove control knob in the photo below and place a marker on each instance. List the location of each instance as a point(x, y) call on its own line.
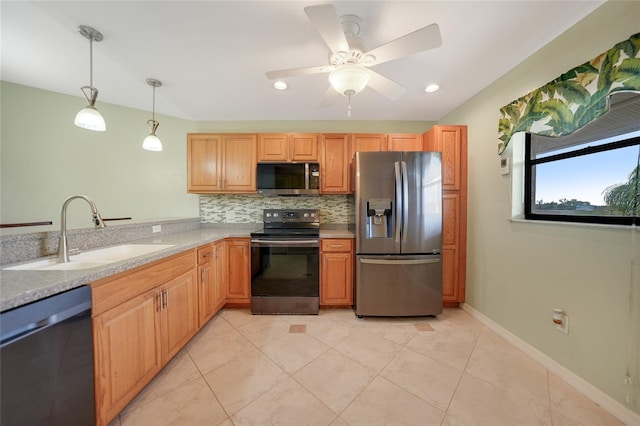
point(306, 215)
point(276, 215)
point(268, 214)
point(313, 215)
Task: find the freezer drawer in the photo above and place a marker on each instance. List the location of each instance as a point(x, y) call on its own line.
point(398, 285)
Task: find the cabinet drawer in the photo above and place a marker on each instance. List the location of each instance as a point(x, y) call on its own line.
point(205, 253)
point(112, 291)
point(337, 245)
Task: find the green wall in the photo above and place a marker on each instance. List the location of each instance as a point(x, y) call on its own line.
point(44, 162)
point(518, 271)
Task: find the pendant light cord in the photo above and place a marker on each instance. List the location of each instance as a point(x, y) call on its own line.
point(91, 61)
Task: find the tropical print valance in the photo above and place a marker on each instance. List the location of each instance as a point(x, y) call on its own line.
point(576, 98)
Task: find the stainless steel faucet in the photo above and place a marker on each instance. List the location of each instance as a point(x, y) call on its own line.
point(63, 252)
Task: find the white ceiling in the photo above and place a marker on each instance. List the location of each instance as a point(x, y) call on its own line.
point(212, 55)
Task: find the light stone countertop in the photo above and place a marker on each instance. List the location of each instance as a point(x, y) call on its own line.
point(21, 287)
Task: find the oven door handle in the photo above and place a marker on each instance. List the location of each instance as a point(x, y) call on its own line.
point(287, 242)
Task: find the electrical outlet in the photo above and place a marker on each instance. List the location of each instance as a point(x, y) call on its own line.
point(561, 320)
point(156, 228)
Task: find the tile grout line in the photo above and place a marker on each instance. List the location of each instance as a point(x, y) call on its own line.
point(453, 395)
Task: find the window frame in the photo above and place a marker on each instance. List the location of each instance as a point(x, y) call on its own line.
point(529, 199)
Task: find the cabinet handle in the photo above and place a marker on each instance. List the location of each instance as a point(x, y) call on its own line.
point(203, 277)
point(219, 183)
point(158, 301)
point(207, 254)
point(336, 245)
point(165, 303)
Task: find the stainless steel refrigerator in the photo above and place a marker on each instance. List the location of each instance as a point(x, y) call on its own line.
point(398, 199)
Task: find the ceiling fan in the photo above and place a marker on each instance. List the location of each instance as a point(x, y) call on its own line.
point(349, 65)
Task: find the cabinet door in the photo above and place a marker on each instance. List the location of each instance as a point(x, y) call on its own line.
point(179, 313)
point(449, 141)
point(404, 142)
point(337, 279)
point(220, 274)
point(206, 285)
point(304, 147)
point(334, 164)
point(450, 246)
point(126, 352)
point(272, 147)
point(239, 163)
point(203, 166)
point(367, 143)
point(336, 274)
point(238, 271)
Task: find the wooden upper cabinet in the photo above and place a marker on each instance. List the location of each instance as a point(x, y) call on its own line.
point(279, 147)
point(273, 147)
point(452, 142)
point(239, 163)
point(367, 143)
point(334, 164)
point(203, 171)
point(221, 163)
point(304, 147)
point(404, 142)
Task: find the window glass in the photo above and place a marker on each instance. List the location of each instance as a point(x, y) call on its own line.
point(595, 181)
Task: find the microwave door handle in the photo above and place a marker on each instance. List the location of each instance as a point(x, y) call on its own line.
point(398, 200)
point(306, 175)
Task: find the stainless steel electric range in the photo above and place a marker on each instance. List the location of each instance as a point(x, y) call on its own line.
point(285, 259)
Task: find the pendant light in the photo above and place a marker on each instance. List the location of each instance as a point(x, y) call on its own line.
point(151, 142)
point(89, 117)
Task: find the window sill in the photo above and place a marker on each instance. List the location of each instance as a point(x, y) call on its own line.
point(578, 224)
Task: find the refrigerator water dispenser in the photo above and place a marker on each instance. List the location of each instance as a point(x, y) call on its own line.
point(378, 218)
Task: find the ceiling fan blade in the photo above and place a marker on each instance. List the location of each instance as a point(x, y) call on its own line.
point(418, 41)
point(389, 89)
point(294, 72)
point(329, 97)
point(327, 23)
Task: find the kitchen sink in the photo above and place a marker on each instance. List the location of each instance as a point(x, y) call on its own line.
point(92, 258)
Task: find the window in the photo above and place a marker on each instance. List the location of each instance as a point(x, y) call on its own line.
point(583, 178)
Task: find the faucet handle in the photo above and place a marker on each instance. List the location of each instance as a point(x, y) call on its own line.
point(97, 219)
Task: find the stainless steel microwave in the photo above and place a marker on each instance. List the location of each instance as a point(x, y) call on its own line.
point(288, 178)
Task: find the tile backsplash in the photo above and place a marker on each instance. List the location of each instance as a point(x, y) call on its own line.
point(236, 208)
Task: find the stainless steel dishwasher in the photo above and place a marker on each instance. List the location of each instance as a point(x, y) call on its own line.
point(46, 354)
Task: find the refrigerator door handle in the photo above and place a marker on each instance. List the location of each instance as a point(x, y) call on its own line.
point(405, 201)
point(399, 197)
point(398, 262)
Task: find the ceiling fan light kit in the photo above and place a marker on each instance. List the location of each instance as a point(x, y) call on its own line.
point(349, 79)
point(349, 64)
point(89, 117)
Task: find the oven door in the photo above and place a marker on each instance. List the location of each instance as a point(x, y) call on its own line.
point(285, 275)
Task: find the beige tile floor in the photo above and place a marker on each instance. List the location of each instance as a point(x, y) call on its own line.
point(334, 368)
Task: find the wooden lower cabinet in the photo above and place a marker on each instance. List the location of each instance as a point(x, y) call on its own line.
point(238, 252)
point(336, 271)
point(206, 284)
point(141, 319)
point(219, 274)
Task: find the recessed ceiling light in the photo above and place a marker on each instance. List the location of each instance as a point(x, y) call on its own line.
point(280, 85)
point(432, 88)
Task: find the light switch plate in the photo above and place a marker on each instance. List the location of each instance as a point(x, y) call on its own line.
point(505, 165)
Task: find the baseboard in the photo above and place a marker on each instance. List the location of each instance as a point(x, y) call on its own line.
point(609, 404)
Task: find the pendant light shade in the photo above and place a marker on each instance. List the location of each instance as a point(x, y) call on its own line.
point(89, 117)
point(152, 142)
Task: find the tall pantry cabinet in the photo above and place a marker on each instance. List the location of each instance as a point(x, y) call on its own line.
point(451, 141)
